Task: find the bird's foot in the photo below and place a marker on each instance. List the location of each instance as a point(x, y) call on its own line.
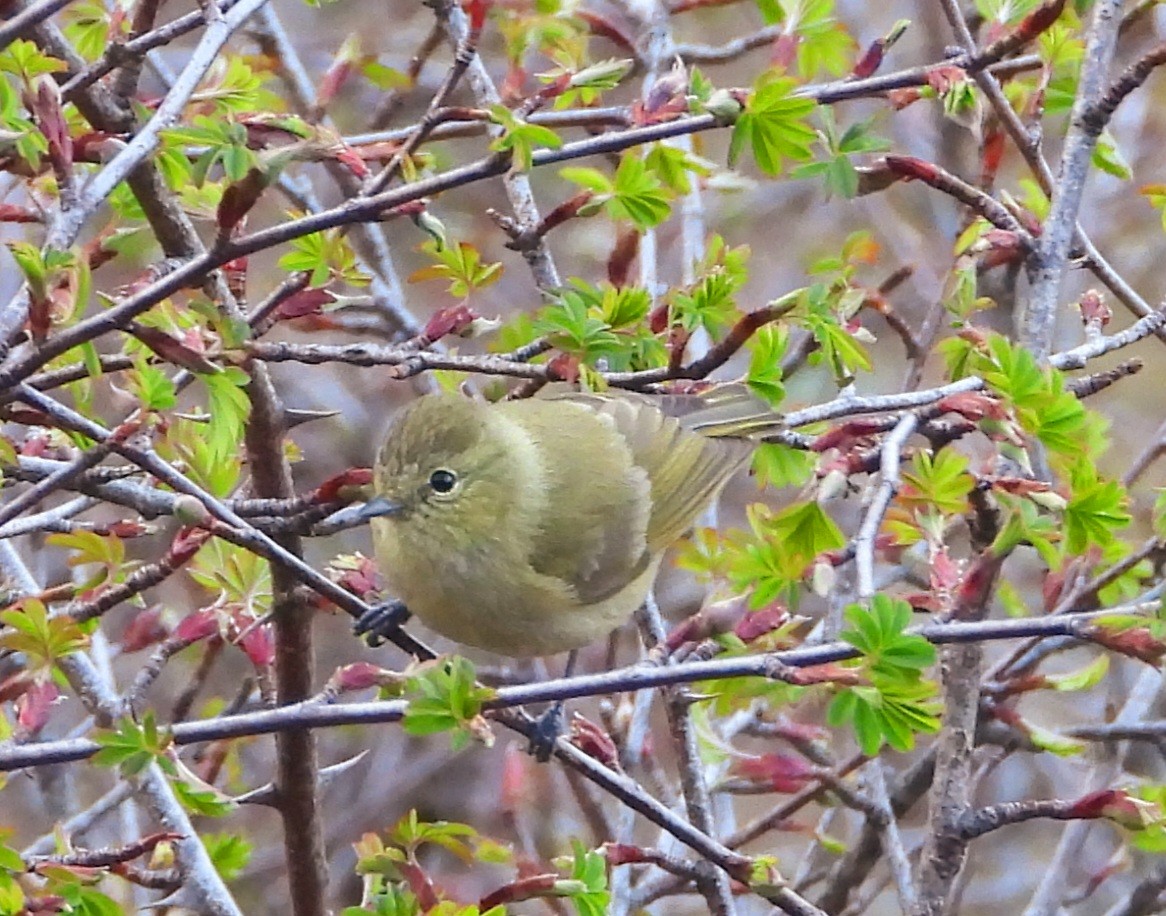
point(379, 621)
point(547, 729)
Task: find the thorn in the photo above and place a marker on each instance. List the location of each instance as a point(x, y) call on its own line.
point(294, 416)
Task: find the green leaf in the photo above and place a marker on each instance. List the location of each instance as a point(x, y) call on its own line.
point(638, 195)
point(229, 852)
point(325, 256)
point(1096, 510)
point(940, 481)
point(878, 632)
point(461, 265)
point(229, 407)
point(767, 347)
point(1108, 158)
point(151, 385)
point(781, 548)
point(132, 747)
point(672, 165)
point(891, 711)
point(234, 575)
point(520, 138)
point(447, 698)
point(1081, 679)
point(588, 889)
point(778, 465)
point(773, 126)
point(43, 639)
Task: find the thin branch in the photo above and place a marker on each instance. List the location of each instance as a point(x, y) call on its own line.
point(776, 665)
point(1051, 257)
point(150, 785)
point(892, 839)
point(892, 450)
point(1097, 116)
point(20, 24)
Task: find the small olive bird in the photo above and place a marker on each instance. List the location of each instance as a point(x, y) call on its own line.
point(536, 526)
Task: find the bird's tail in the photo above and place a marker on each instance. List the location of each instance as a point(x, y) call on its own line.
point(730, 410)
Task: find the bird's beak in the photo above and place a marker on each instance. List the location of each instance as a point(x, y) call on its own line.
point(351, 516)
point(379, 507)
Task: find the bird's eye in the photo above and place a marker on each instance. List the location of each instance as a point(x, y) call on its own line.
point(442, 481)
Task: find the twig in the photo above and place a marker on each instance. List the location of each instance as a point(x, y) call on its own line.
point(892, 839)
point(1099, 113)
point(1048, 262)
point(150, 785)
point(1053, 886)
point(20, 24)
point(636, 677)
point(892, 450)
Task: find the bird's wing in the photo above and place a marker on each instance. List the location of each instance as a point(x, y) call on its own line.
point(685, 468)
point(593, 535)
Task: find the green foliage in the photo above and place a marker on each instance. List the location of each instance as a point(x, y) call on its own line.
point(825, 310)
point(27, 142)
point(445, 697)
point(938, 482)
point(388, 866)
point(105, 552)
point(635, 193)
point(1152, 839)
point(879, 633)
point(11, 867)
point(24, 60)
point(836, 170)
point(1081, 679)
point(151, 385)
point(1156, 195)
point(898, 703)
point(325, 256)
point(766, 349)
point(42, 639)
point(710, 301)
point(1026, 524)
point(520, 138)
point(1096, 511)
point(229, 407)
point(601, 323)
point(823, 44)
point(239, 578)
point(1006, 12)
point(1038, 397)
point(43, 270)
point(587, 886)
point(234, 87)
point(225, 142)
point(773, 126)
point(548, 29)
point(778, 465)
point(229, 852)
point(131, 747)
point(768, 560)
point(208, 452)
point(673, 165)
point(461, 265)
point(88, 28)
point(1107, 157)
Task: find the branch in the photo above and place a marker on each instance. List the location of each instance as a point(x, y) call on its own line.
point(1048, 263)
point(864, 541)
point(775, 665)
point(1097, 115)
point(20, 24)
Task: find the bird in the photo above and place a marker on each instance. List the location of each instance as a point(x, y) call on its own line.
point(535, 526)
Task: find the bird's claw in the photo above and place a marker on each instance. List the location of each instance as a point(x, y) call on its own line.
point(379, 621)
point(547, 729)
